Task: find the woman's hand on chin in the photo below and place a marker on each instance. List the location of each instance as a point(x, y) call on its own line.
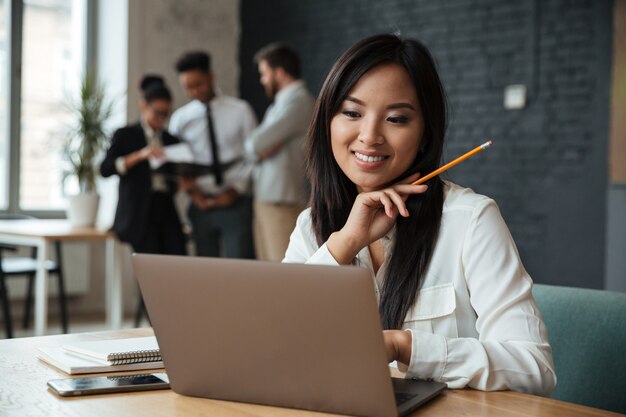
point(373, 214)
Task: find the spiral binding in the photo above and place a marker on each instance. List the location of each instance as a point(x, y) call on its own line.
point(138, 356)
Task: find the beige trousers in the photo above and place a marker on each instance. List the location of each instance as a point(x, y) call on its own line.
point(273, 224)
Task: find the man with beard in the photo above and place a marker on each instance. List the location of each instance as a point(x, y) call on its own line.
point(277, 147)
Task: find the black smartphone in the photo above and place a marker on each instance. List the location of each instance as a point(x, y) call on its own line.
point(68, 387)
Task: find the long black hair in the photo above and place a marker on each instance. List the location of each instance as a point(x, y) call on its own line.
point(333, 194)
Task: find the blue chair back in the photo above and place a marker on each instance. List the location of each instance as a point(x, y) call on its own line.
point(587, 331)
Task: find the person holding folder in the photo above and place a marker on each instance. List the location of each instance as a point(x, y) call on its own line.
point(215, 126)
point(455, 300)
point(146, 216)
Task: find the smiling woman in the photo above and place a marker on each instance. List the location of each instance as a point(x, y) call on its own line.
point(454, 298)
point(378, 131)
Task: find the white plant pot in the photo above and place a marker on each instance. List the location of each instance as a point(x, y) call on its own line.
point(82, 209)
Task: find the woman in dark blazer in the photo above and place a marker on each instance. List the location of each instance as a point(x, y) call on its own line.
point(146, 217)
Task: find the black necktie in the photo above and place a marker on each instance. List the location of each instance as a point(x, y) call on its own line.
point(217, 167)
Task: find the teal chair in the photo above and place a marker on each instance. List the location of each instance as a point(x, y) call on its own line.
point(587, 331)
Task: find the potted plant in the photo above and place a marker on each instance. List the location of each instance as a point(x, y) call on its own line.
point(83, 142)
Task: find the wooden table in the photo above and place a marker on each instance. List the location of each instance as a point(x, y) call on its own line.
point(40, 233)
point(23, 392)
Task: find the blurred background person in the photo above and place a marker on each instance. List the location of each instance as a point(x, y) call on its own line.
point(146, 216)
point(215, 126)
point(277, 147)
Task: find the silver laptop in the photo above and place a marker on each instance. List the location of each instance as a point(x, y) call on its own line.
point(288, 335)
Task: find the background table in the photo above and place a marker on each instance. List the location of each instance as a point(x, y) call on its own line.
point(40, 233)
point(23, 392)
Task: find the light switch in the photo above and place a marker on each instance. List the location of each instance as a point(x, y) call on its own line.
point(514, 96)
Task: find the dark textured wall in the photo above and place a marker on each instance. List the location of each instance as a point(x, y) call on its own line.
point(548, 167)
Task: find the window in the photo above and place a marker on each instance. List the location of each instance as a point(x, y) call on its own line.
point(53, 45)
point(4, 101)
point(43, 53)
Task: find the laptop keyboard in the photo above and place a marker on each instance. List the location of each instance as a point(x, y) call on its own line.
point(402, 397)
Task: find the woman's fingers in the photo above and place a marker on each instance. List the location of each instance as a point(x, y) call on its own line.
point(365, 218)
point(387, 203)
point(400, 193)
point(410, 188)
point(392, 202)
point(398, 201)
point(411, 178)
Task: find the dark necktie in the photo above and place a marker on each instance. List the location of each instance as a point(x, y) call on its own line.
point(217, 167)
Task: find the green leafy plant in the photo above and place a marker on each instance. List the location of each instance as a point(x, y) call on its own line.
point(86, 136)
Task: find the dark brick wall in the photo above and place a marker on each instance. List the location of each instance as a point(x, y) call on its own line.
point(548, 167)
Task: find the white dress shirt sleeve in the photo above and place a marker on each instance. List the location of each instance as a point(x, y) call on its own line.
point(238, 177)
point(512, 350)
point(174, 124)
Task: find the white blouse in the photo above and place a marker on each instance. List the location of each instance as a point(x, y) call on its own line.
point(475, 322)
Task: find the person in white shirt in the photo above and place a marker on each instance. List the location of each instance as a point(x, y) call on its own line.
point(215, 127)
point(454, 298)
point(277, 147)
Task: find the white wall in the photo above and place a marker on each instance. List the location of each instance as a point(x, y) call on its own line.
point(111, 65)
point(112, 69)
point(161, 31)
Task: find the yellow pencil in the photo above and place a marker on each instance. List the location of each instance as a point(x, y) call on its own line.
point(453, 163)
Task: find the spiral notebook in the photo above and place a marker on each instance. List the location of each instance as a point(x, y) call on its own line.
point(118, 351)
point(104, 356)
